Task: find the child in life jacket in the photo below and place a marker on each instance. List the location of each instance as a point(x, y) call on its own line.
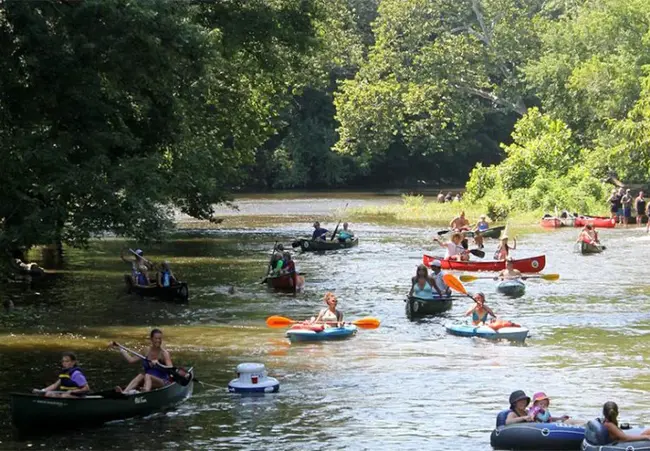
point(540, 411)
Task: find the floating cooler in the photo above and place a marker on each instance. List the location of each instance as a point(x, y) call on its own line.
point(252, 378)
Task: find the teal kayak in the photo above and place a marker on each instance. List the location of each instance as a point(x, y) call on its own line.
point(505, 333)
point(330, 333)
point(513, 288)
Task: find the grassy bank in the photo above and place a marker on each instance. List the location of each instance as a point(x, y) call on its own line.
point(417, 211)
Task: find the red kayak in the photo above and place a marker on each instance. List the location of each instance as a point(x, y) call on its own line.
point(596, 221)
point(532, 264)
point(551, 222)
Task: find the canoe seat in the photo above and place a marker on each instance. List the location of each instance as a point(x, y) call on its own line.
point(596, 433)
point(501, 417)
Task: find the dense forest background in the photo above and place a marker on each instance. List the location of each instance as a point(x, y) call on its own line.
point(113, 112)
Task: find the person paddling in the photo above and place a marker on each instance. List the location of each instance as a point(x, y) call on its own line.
point(589, 235)
point(459, 223)
point(503, 251)
point(136, 262)
point(480, 311)
point(71, 383)
point(329, 315)
point(153, 376)
point(510, 273)
point(319, 232)
point(454, 249)
point(438, 279)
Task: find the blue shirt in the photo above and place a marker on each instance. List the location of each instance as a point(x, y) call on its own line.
point(319, 234)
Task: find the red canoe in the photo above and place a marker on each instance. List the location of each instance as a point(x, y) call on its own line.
point(551, 222)
point(532, 264)
point(284, 282)
point(596, 221)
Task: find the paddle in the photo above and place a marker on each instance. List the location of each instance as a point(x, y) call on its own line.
point(456, 285)
point(181, 376)
point(275, 245)
point(479, 253)
point(281, 321)
point(138, 255)
point(337, 225)
point(465, 278)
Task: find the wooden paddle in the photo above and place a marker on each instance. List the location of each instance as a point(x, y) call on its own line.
point(275, 245)
point(337, 225)
point(465, 278)
point(281, 321)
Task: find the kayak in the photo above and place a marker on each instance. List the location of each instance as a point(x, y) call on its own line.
point(416, 307)
point(296, 334)
point(531, 264)
point(551, 222)
point(177, 292)
point(493, 232)
point(596, 221)
point(308, 245)
point(537, 436)
point(597, 439)
point(285, 282)
point(513, 288)
point(589, 248)
point(506, 333)
point(33, 413)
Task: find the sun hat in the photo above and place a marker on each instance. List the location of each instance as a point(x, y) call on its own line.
point(482, 217)
point(540, 396)
point(436, 263)
point(518, 395)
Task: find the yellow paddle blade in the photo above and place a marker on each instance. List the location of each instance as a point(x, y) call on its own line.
point(367, 323)
point(278, 321)
point(550, 276)
point(467, 278)
point(454, 283)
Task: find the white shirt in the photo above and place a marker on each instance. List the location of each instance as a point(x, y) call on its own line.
point(453, 249)
point(440, 282)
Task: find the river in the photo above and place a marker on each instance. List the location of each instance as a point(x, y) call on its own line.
point(405, 385)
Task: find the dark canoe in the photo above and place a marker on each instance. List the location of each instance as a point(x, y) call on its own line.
point(33, 414)
point(179, 292)
point(418, 307)
point(319, 245)
point(587, 248)
point(284, 282)
point(493, 232)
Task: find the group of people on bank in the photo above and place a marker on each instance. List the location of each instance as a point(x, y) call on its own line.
point(620, 206)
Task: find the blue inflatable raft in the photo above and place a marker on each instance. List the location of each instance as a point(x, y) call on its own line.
point(506, 333)
point(535, 436)
point(330, 333)
point(597, 439)
point(513, 288)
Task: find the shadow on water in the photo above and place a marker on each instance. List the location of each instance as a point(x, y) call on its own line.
point(407, 384)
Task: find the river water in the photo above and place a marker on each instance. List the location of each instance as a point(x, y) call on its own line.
point(406, 384)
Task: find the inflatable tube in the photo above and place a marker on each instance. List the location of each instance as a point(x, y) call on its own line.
point(597, 439)
point(513, 288)
point(331, 333)
point(507, 333)
point(537, 436)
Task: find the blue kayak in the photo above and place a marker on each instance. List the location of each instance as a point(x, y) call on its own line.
point(513, 288)
point(330, 333)
point(505, 333)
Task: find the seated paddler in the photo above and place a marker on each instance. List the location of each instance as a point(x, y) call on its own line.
point(166, 276)
point(330, 316)
point(346, 234)
point(319, 232)
point(71, 382)
point(153, 375)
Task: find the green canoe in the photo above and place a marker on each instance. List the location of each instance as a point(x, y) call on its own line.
point(178, 292)
point(33, 413)
point(308, 245)
point(493, 232)
point(417, 307)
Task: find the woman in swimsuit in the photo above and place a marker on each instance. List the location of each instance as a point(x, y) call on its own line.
point(610, 421)
point(330, 315)
point(503, 251)
point(588, 235)
point(153, 376)
point(480, 311)
point(423, 285)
